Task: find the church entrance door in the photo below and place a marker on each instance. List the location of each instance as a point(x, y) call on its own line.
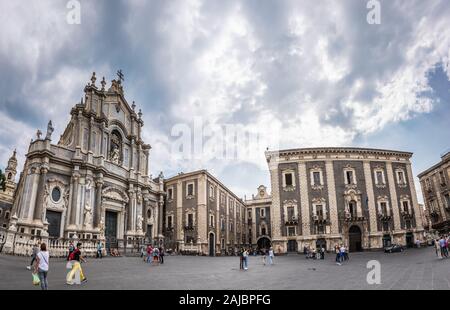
point(54, 223)
point(111, 230)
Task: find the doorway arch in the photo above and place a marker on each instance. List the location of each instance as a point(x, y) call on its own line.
point(264, 243)
point(212, 243)
point(354, 237)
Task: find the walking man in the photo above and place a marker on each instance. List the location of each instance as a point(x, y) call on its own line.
point(161, 255)
point(99, 249)
point(271, 256)
point(34, 253)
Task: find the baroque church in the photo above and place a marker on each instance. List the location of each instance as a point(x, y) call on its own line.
point(94, 183)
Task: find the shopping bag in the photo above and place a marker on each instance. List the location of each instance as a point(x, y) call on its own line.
point(69, 265)
point(36, 280)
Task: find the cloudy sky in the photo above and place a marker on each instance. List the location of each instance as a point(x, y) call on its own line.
point(316, 73)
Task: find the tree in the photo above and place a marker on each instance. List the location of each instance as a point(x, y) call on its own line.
point(2, 181)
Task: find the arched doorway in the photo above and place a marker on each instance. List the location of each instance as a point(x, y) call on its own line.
point(264, 243)
point(410, 240)
point(387, 241)
point(211, 244)
point(354, 237)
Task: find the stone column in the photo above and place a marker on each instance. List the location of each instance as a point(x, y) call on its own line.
point(160, 216)
point(371, 197)
point(275, 210)
point(98, 202)
point(393, 196)
point(332, 200)
point(419, 224)
point(39, 206)
point(202, 218)
point(74, 204)
point(254, 228)
point(130, 212)
point(435, 183)
point(304, 200)
point(179, 217)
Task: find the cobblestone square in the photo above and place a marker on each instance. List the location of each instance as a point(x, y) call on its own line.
point(412, 269)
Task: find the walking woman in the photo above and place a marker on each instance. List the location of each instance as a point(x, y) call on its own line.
point(42, 266)
point(76, 258)
point(241, 259)
point(245, 255)
point(34, 253)
point(161, 255)
point(271, 255)
point(338, 254)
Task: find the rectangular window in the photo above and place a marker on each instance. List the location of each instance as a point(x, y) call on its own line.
point(170, 193)
point(383, 208)
point(288, 179)
point(190, 189)
point(211, 221)
point(349, 177)
point(291, 231)
point(222, 224)
point(405, 206)
point(401, 177)
point(262, 212)
point(379, 177)
point(223, 243)
point(211, 191)
point(249, 214)
point(316, 176)
point(169, 221)
point(442, 177)
point(290, 213)
point(190, 220)
point(319, 210)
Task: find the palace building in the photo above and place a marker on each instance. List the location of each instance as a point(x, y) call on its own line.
point(93, 184)
point(363, 198)
point(257, 219)
point(435, 183)
point(202, 216)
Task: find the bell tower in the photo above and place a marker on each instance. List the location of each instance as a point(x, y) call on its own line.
point(11, 169)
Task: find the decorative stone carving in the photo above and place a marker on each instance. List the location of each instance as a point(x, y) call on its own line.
point(139, 223)
point(50, 130)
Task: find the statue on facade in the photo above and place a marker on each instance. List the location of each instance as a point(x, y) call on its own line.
point(38, 134)
point(115, 156)
point(102, 226)
point(50, 130)
point(139, 222)
point(87, 214)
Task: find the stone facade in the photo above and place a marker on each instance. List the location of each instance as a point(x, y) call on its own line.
point(7, 196)
point(94, 183)
point(202, 216)
point(364, 198)
point(435, 183)
point(258, 219)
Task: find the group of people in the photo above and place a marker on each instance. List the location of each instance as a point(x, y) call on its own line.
point(441, 246)
point(244, 253)
point(341, 254)
point(314, 253)
point(153, 255)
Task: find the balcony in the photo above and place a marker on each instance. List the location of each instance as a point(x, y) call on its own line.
point(384, 217)
point(292, 221)
point(434, 213)
point(406, 214)
point(319, 219)
point(349, 217)
point(189, 227)
point(168, 229)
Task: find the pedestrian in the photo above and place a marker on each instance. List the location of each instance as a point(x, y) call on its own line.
point(76, 258)
point(442, 247)
point(34, 252)
point(322, 252)
point(42, 266)
point(241, 259)
point(342, 253)
point(245, 255)
point(338, 254)
point(149, 254)
point(155, 256)
point(271, 256)
point(263, 256)
point(161, 255)
point(99, 249)
point(437, 248)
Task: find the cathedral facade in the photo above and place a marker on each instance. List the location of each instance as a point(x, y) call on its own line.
point(94, 183)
